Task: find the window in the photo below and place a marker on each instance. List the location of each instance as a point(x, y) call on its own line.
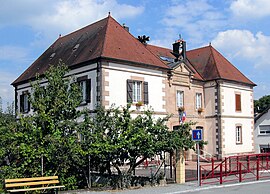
point(238, 134)
point(24, 102)
point(85, 85)
point(137, 91)
point(237, 102)
point(264, 130)
point(180, 98)
point(198, 100)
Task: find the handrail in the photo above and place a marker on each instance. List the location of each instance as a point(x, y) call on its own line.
point(205, 153)
point(203, 156)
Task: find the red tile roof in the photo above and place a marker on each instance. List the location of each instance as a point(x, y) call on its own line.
point(212, 65)
point(108, 39)
point(105, 38)
point(208, 64)
point(165, 52)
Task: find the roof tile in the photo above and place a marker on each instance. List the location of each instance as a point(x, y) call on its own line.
point(105, 38)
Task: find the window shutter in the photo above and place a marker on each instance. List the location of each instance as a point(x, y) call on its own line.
point(129, 91)
point(237, 102)
point(21, 103)
point(28, 103)
point(88, 90)
point(145, 93)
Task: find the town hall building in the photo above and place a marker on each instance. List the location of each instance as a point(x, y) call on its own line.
point(114, 67)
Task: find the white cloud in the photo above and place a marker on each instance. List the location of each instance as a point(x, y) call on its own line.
point(49, 18)
point(69, 15)
point(168, 37)
point(14, 54)
point(250, 8)
point(197, 18)
point(245, 45)
point(6, 90)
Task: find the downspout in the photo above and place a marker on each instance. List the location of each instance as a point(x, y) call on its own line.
point(219, 132)
point(99, 83)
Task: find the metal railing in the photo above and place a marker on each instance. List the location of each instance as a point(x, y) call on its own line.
point(236, 169)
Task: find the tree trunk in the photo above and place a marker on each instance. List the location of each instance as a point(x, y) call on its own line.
point(134, 164)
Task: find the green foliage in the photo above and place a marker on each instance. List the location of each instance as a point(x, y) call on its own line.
point(115, 138)
point(261, 104)
point(49, 134)
point(7, 145)
point(46, 142)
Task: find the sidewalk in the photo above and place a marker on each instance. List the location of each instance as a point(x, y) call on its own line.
point(168, 189)
point(189, 187)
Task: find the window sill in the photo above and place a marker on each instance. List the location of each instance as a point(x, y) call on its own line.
point(84, 104)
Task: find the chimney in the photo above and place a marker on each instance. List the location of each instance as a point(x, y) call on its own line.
point(179, 50)
point(125, 27)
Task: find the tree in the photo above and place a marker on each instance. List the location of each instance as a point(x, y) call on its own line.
point(261, 104)
point(45, 142)
point(7, 144)
point(116, 138)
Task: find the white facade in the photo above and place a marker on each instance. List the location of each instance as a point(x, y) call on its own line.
point(262, 132)
point(89, 71)
point(219, 119)
point(116, 76)
point(237, 124)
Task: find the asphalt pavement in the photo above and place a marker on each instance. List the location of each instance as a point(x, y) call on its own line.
point(257, 187)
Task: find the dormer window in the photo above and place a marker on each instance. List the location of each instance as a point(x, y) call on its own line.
point(52, 56)
point(75, 47)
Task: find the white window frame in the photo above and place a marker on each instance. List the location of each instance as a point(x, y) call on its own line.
point(136, 91)
point(264, 130)
point(238, 134)
point(180, 98)
point(198, 100)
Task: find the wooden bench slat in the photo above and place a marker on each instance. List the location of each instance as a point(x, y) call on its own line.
point(38, 188)
point(30, 179)
point(31, 183)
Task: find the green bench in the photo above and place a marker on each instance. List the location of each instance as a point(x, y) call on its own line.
point(32, 184)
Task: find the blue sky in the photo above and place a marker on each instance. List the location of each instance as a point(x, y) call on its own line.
point(239, 29)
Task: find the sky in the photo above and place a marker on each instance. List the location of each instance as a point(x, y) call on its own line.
point(238, 29)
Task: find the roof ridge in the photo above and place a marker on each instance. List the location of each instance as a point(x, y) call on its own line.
point(105, 35)
point(212, 54)
point(26, 70)
point(198, 48)
point(110, 26)
point(224, 58)
point(155, 55)
point(82, 28)
point(195, 69)
point(159, 46)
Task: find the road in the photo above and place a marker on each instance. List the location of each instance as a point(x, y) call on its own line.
point(256, 187)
